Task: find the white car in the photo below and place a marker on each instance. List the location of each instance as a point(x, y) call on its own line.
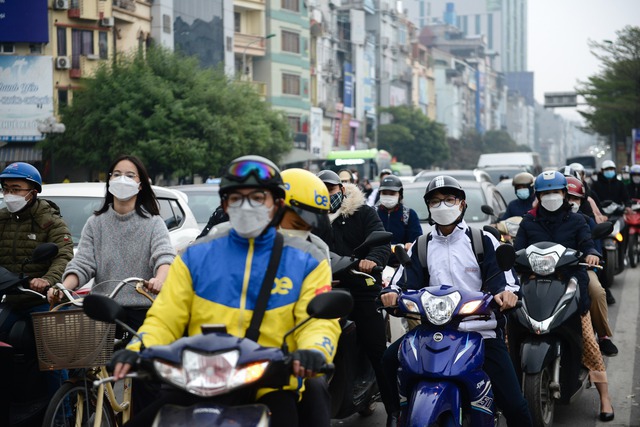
point(78, 201)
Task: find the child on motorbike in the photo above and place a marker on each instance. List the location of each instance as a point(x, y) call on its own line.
point(552, 220)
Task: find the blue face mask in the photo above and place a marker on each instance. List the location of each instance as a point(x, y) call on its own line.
point(523, 193)
point(609, 174)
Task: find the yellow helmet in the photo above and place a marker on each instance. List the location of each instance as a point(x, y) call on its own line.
point(307, 196)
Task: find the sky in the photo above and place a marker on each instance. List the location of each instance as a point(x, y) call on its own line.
point(558, 32)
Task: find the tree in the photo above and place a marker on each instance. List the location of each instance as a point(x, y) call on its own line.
point(177, 117)
point(614, 93)
point(413, 138)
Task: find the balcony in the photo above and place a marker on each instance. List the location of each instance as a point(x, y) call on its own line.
point(241, 42)
point(129, 5)
point(260, 87)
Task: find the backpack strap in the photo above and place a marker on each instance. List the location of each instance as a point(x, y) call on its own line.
point(405, 215)
point(423, 246)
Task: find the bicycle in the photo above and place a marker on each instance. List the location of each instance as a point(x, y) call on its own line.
point(68, 339)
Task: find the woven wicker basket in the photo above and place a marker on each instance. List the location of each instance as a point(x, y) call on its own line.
point(69, 339)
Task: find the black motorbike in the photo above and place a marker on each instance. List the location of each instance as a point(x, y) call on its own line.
point(353, 387)
point(24, 390)
point(613, 243)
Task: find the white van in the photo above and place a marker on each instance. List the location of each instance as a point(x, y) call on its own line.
point(530, 160)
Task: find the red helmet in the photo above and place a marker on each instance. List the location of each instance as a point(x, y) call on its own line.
point(575, 187)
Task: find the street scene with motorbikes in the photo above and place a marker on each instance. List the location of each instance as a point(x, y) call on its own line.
point(319, 213)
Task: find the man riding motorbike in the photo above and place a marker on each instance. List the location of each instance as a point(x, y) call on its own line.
point(523, 187)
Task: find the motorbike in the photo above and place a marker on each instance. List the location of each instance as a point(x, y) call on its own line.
point(507, 228)
point(440, 379)
point(612, 244)
point(632, 220)
point(25, 389)
point(353, 387)
point(546, 342)
point(221, 371)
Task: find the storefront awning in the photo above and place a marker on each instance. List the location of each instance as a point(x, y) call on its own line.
point(20, 153)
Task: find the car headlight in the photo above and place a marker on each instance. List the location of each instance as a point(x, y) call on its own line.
point(209, 374)
point(543, 264)
point(439, 309)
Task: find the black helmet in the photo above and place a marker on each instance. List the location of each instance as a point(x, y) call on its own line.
point(329, 177)
point(444, 184)
point(391, 182)
point(252, 171)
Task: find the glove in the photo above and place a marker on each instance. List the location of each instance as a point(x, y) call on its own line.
point(124, 356)
point(311, 360)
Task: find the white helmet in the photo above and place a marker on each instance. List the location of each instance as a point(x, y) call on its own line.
point(608, 164)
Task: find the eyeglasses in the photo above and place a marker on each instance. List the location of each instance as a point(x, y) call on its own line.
point(448, 201)
point(240, 171)
point(7, 190)
point(118, 174)
point(256, 198)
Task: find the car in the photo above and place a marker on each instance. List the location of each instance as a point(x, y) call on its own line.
point(459, 174)
point(78, 201)
point(478, 194)
point(505, 187)
point(504, 172)
point(203, 199)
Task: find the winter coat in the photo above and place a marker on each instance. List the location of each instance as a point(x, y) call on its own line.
point(611, 189)
point(402, 221)
point(633, 190)
point(519, 207)
point(351, 225)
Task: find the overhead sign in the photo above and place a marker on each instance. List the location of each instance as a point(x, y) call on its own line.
point(24, 21)
point(26, 96)
point(560, 99)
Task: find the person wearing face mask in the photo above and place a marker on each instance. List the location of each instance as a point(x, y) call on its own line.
point(352, 220)
point(553, 221)
point(374, 197)
point(397, 218)
point(523, 187)
point(218, 280)
point(451, 260)
point(609, 187)
point(633, 188)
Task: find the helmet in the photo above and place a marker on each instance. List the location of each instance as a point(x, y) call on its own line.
point(390, 182)
point(575, 187)
point(329, 177)
point(20, 170)
point(307, 196)
point(569, 171)
point(386, 171)
point(608, 164)
point(444, 184)
point(523, 178)
point(252, 171)
point(550, 180)
point(577, 167)
point(635, 170)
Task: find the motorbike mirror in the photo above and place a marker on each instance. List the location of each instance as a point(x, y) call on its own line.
point(102, 308)
point(375, 238)
point(493, 231)
point(44, 252)
point(487, 210)
point(401, 254)
point(506, 257)
point(602, 230)
point(330, 305)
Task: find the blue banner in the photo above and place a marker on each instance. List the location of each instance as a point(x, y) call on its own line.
point(348, 85)
point(24, 21)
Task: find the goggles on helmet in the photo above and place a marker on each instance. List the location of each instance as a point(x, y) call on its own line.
point(240, 171)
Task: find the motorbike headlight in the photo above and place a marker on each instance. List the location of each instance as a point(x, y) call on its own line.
point(439, 309)
point(543, 264)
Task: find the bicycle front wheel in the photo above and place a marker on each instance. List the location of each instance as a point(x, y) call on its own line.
point(74, 404)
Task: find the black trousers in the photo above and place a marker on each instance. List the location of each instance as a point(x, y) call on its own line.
point(497, 365)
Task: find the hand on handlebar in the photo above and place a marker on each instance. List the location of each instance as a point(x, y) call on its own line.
point(389, 298)
point(307, 362)
point(122, 362)
point(153, 285)
point(506, 300)
point(366, 265)
point(592, 260)
point(39, 285)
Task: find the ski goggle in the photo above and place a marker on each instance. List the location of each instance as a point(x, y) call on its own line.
point(240, 171)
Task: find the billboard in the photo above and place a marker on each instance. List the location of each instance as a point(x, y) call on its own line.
point(347, 98)
point(26, 96)
point(24, 21)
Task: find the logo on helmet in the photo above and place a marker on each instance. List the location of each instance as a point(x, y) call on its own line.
point(320, 199)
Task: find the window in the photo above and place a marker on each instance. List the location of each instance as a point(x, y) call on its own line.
point(7, 48)
point(237, 19)
point(290, 84)
point(290, 42)
point(477, 24)
point(63, 97)
point(103, 44)
point(292, 5)
point(35, 48)
point(294, 123)
point(171, 213)
point(61, 35)
point(82, 42)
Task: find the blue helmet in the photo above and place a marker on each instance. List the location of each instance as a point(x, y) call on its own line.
point(21, 170)
point(550, 180)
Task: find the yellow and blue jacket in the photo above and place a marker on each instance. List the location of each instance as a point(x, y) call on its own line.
point(218, 279)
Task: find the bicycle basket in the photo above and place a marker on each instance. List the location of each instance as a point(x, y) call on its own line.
point(69, 339)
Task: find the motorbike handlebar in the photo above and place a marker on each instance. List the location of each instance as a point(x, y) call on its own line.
point(377, 269)
point(328, 369)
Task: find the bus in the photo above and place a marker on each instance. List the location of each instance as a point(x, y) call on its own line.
point(367, 163)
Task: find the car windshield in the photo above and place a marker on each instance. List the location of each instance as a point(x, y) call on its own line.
point(460, 176)
point(413, 198)
point(202, 203)
point(496, 173)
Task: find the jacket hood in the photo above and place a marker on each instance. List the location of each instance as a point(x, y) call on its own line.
point(353, 199)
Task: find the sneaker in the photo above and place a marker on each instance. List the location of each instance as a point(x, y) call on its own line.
point(607, 347)
point(610, 299)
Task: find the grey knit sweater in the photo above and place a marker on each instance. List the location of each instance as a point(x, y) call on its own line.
point(114, 247)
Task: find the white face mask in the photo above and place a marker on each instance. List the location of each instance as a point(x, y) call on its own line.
point(635, 179)
point(552, 202)
point(249, 222)
point(389, 201)
point(123, 188)
point(302, 234)
point(14, 202)
point(445, 215)
point(575, 206)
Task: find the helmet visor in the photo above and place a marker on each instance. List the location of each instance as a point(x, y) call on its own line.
point(317, 219)
point(240, 171)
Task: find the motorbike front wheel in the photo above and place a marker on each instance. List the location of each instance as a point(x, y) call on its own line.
point(538, 394)
point(74, 404)
point(610, 259)
point(634, 250)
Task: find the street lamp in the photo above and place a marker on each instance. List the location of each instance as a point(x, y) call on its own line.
point(244, 52)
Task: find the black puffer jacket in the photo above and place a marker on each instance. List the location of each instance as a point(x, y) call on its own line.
point(611, 189)
point(355, 220)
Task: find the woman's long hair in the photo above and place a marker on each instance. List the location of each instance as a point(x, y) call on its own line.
point(146, 198)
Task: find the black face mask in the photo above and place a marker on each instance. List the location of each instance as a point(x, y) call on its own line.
point(336, 201)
